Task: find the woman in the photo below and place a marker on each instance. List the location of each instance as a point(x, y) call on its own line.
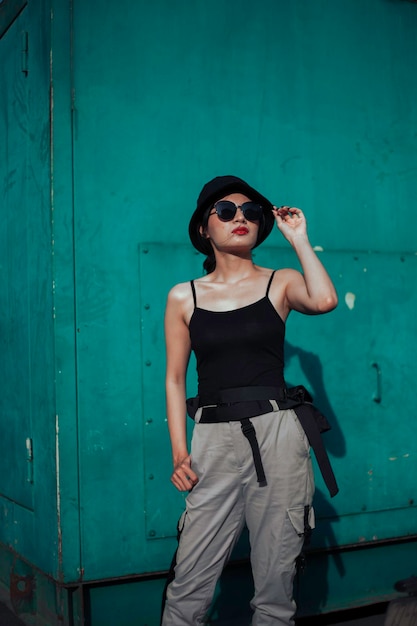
point(250, 456)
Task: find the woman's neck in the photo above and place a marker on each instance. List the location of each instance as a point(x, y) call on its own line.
point(232, 268)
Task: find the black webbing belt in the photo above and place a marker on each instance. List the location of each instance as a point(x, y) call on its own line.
point(230, 404)
point(249, 431)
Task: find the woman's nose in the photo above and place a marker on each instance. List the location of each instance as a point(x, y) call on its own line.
point(239, 214)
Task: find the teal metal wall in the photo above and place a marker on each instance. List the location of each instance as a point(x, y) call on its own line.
point(27, 399)
point(111, 120)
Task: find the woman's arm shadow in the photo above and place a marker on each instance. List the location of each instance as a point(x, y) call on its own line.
point(312, 369)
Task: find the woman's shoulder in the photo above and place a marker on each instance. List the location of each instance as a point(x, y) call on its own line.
point(180, 302)
point(287, 271)
point(279, 273)
point(180, 291)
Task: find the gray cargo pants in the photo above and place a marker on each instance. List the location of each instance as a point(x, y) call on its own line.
point(228, 495)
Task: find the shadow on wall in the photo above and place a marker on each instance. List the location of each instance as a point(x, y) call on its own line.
point(235, 591)
point(311, 367)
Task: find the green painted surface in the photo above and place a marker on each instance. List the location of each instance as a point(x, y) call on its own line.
point(106, 138)
point(27, 409)
point(16, 481)
point(65, 325)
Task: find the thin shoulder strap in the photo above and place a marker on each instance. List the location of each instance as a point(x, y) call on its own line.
point(193, 290)
point(269, 283)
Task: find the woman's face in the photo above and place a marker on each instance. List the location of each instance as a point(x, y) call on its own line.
point(238, 233)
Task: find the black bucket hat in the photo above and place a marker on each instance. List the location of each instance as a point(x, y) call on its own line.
point(218, 188)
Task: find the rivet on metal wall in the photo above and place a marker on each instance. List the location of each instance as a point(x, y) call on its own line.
point(148, 363)
point(147, 306)
point(152, 533)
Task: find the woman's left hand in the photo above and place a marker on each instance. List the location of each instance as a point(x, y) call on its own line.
point(290, 221)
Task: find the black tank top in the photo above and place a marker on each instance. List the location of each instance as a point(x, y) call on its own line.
point(239, 348)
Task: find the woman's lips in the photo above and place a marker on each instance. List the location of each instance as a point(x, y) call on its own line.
point(241, 230)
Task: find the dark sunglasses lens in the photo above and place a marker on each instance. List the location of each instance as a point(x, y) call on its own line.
point(252, 211)
point(225, 210)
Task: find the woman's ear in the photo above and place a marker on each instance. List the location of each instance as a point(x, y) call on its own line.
point(203, 233)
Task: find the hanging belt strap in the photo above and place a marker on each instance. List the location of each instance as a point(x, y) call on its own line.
point(230, 404)
point(250, 434)
point(308, 420)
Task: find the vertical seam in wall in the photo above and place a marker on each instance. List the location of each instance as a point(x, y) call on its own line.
point(77, 416)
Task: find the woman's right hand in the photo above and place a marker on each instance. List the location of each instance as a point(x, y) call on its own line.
point(183, 477)
point(291, 222)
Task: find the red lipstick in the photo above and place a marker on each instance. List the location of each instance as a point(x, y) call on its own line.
point(240, 230)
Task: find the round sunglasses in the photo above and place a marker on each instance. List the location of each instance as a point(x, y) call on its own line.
point(226, 210)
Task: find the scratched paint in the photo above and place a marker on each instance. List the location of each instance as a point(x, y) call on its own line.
point(58, 494)
point(350, 300)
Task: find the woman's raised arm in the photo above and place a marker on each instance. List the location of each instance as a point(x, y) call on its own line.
point(311, 292)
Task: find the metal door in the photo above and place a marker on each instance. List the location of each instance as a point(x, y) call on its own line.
point(27, 411)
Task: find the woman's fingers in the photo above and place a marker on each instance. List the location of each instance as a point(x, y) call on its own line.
point(183, 477)
point(287, 212)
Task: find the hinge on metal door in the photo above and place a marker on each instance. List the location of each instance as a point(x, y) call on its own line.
point(25, 52)
point(29, 460)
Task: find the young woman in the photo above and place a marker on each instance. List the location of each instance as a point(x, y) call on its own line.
point(250, 454)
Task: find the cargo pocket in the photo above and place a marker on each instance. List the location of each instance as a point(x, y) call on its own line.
point(299, 522)
point(303, 524)
point(302, 519)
